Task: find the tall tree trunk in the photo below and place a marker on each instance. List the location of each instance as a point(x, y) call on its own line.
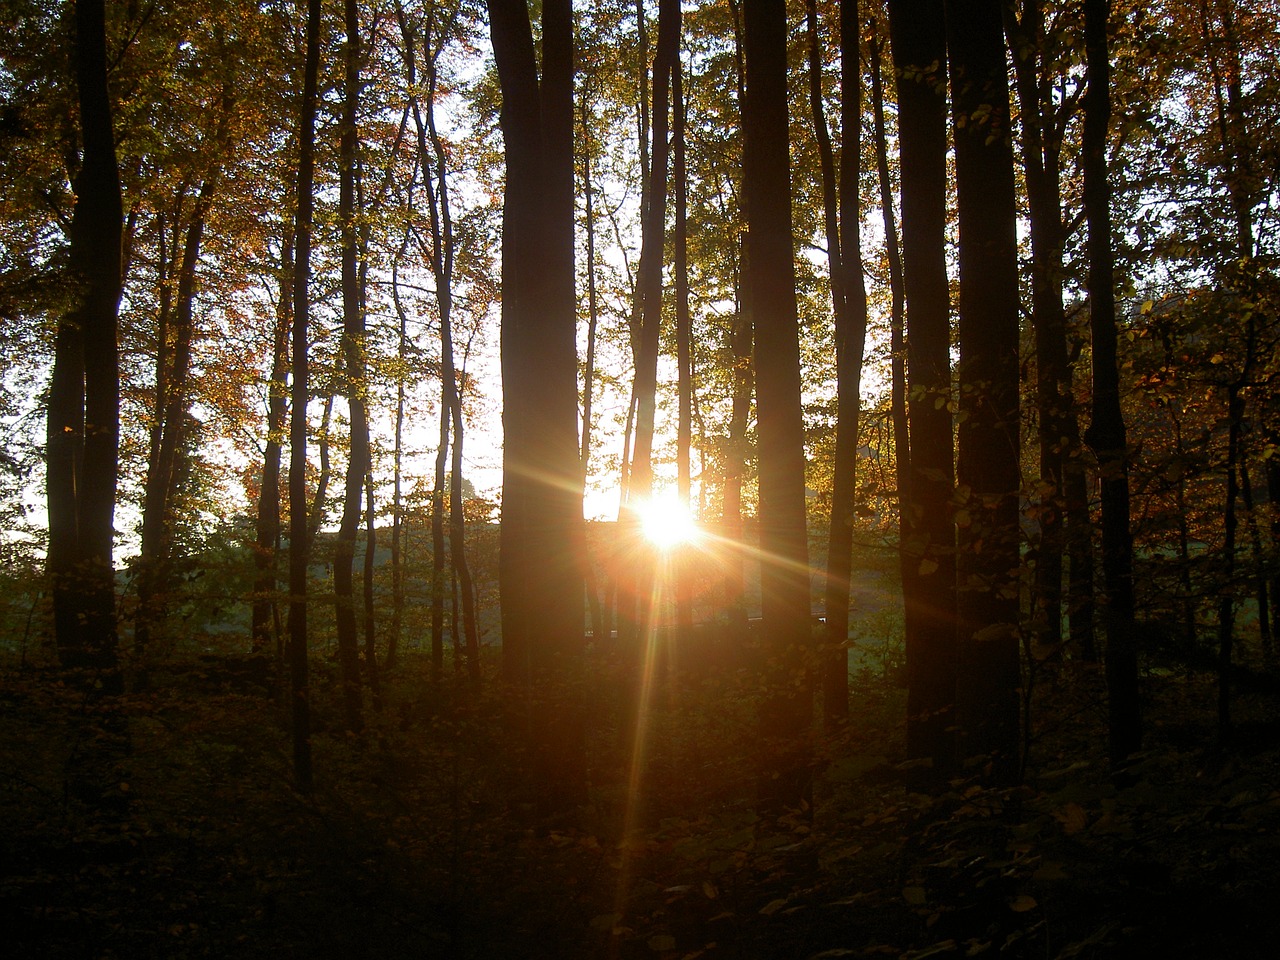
point(267, 528)
point(370, 633)
point(919, 56)
point(353, 359)
point(897, 344)
point(987, 461)
point(439, 577)
point(83, 424)
point(842, 205)
point(784, 579)
point(598, 611)
point(1259, 564)
point(163, 470)
point(1106, 433)
point(742, 347)
point(1040, 151)
point(397, 495)
point(649, 297)
point(299, 527)
point(684, 352)
point(540, 570)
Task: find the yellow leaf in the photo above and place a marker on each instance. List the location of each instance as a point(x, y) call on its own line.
point(927, 567)
point(1022, 903)
point(1073, 818)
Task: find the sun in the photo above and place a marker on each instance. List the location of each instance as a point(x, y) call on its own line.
point(667, 523)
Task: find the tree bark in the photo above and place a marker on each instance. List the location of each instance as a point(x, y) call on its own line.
point(919, 56)
point(684, 352)
point(987, 461)
point(1106, 434)
point(83, 423)
point(266, 573)
point(163, 470)
point(842, 205)
point(540, 569)
point(353, 358)
point(784, 580)
point(299, 528)
point(897, 342)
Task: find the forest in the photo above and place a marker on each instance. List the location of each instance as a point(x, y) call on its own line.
point(639, 479)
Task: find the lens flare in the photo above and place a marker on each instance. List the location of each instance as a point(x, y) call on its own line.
point(667, 523)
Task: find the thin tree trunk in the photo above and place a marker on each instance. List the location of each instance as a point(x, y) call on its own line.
point(163, 468)
point(353, 358)
point(842, 205)
point(897, 346)
point(1040, 149)
point(742, 337)
point(649, 295)
point(266, 573)
point(1106, 434)
point(299, 531)
point(397, 495)
point(1260, 572)
point(438, 567)
point(599, 619)
point(319, 507)
point(370, 633)
point(684, 352)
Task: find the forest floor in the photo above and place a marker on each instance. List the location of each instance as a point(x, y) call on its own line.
point(420, 839)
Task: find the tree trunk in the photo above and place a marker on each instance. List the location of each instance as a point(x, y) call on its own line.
point(842, 205)
point(1106, 433)
point(83, 421)
point(640, 578)
point(1041, 149)
point(897, 344)
point(919, 56)
point(599, 616)
point(684, 354)
point(987, 461)
point(353, 359)
point(370, 635)
point(299, 528)
point(784, 580)
point(266, 574)
point(163, 468)
point(540, 569)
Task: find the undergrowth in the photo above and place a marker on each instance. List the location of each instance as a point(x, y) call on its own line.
point(421, 839)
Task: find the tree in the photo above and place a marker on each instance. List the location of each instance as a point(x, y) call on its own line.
point(299, 527)
point(987, 460)
point(1063, 510)
point(843, 213)
point(83, 425)
point(919, 55)
point(353, 352)
point(784, 580)
point(1106, 433)
point(540, 572)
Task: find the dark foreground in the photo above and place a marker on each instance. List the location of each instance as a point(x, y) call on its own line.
point(420, 840)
